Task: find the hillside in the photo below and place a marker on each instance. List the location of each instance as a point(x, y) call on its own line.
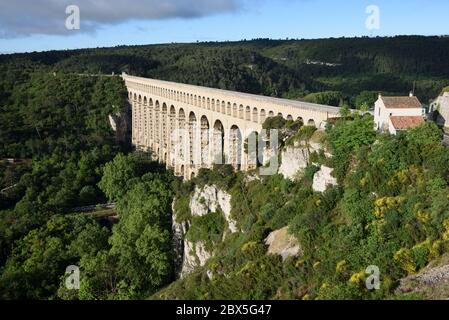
point(289, 68)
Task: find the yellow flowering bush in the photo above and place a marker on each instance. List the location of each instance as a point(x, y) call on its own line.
point(382, 205)
point(357, 278)
point(405, 260)
point(341, 267)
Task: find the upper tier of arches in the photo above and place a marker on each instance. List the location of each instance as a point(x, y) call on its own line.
point(251, 108)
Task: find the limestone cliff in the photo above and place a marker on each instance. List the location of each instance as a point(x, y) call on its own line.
point(323, 179)
point(282, 243)
point(295, 158)
point(121, 124)
point(206, 200)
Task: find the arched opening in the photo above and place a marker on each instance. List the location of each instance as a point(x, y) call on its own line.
point(289, 117)
point(135, 97)
point(251, 149)
point(280, 115)
point(150, 121)
point(270, 114)
point(311, 123)
point(229, 109)
point(212, 106)
point(217, 143)
point(234, 110)
point(255, 115)
point(204, 103)
point(193, 126)
point(140, 98)
point(182, 171)
point(241, 112)
point(164, 126)
point(204, 141)
point(223, 107)
point(300, 120)
point(171, 135)
point(262, 116)
point(157, 133)
point(208, 104)
point(235, 147)
point(181, 143)
point(192, 175)
point(248, 114)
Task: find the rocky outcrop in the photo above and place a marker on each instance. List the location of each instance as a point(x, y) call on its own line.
point(280, 242)
point(323, 179)
point(210, 199)
point(195, 255)
point(121, 125)
point(439, 109)
point(431, 283)
point(296, 158)
point(179, 232)
point(206, 200)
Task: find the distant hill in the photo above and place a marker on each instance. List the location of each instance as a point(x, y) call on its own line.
point(358, 68)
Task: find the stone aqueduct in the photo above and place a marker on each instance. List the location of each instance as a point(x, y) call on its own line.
point(219, 120)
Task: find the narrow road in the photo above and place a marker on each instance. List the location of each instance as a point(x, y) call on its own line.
point(8, 188)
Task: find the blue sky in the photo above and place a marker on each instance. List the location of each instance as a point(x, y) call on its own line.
point(218, 20)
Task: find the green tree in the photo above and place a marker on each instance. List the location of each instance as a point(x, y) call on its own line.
point(119, 175)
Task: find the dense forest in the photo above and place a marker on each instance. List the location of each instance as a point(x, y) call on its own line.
point(391, 207)
point(354, 69)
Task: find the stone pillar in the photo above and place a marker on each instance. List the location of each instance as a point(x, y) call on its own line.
point(150, 126)
point(171, 139)
point(164, 138)
point(205, 146)
point(139, 125)
point(133, 122)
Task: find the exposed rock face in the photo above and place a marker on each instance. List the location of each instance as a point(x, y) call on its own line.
point(121, 125)
point(205, 200)
point(179, 232)
point(441, 104)
point(432, 283)
point(280, 242)
point(323, 179)
point(296, 158)
point(210, 199)
point(195, 255)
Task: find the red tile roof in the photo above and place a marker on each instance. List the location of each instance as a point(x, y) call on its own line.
point(406, 122)
point(401, 102)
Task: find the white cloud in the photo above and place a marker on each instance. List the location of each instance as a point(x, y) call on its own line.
point(27, 17)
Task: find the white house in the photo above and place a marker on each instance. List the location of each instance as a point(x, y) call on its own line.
point(394, 114)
